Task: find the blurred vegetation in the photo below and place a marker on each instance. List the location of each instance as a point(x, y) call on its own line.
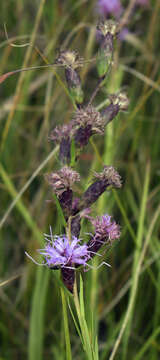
point(124, 298)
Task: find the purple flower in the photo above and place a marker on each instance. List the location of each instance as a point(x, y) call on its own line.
point(105, 227)
point(62, 253)
point(106, 231)
point(107, 7)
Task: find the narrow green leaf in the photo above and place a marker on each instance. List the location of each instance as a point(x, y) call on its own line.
point(66, 327)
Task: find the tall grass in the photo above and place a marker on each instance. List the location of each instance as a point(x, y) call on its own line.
point(118, 313)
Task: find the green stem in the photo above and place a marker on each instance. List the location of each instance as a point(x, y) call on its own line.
point(66, 327)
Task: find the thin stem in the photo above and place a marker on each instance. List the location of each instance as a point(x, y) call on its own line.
point(66, 327)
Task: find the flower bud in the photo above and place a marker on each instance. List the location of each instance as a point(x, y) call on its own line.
point(71, 61)
point(74, 85)
point(107, 31)
point(109, 113)
point(121, 100)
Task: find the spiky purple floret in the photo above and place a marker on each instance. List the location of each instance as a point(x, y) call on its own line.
point(106, 231)
point(105, 227)
point(62, 253)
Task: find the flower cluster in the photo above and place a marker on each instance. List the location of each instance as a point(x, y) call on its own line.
point(68, 252)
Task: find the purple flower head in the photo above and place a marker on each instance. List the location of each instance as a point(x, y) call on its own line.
point(107, 7)
point(60, 252)
point(63, 179)
point(106, 231)
point(105, 227)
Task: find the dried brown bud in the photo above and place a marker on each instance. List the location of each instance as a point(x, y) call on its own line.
point(63, 180)
point(69, 58)
point(108, 26)
point(121, 100)
point(87, 121)
point(110, 176)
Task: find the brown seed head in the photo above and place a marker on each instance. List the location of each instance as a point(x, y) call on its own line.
point(110, 175)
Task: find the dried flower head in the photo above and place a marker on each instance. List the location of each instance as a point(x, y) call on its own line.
point(69, 59)
point(63, 179)
point(108, 27)
point(61, 132)
point(87, 121)
point(110, 176)
point(121, 100)
point(89, 116)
